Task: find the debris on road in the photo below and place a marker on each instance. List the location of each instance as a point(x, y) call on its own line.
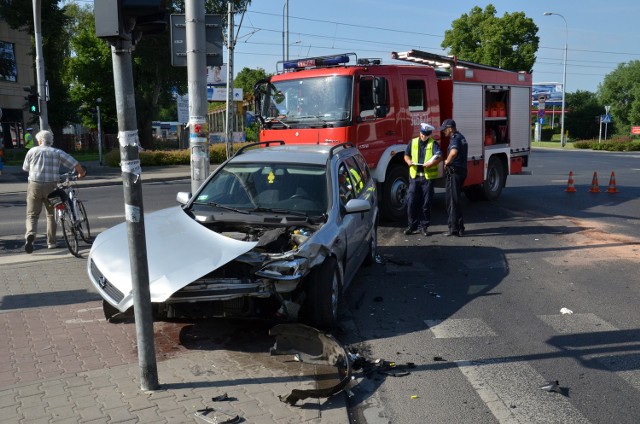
point(312, 347)
point(551, 386)
point(566, 311)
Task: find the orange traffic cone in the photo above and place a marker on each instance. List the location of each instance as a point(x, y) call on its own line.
point(594, 184)
point(612, 183)
point(570, 188)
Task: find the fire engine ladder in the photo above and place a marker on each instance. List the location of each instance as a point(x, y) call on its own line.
point(439, 61)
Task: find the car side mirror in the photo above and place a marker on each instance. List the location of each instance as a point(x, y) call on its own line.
point(357, 205)
point(183, 197)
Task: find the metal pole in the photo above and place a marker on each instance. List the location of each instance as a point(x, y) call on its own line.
point(197, 85)
point(563, 141)
point(286, 30)
point(606, 125)
point(230, 102)
point(564, 83)
point(40, 76)
point(600, 132)
point(99, 101)
point(134, 211)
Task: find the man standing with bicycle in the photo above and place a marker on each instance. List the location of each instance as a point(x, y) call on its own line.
point(43, 165)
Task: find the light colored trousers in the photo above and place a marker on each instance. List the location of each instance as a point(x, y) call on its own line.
point(36, 197)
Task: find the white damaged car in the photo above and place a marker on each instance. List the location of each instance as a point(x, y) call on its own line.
point(275, 232)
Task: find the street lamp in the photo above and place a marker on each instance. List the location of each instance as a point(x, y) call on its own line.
point(98, 103)
point(564, 76)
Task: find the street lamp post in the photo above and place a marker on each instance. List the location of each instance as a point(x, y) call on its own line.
point(564, 76)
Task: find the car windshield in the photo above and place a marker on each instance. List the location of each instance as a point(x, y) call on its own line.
point(276, 187)
point(311, 100)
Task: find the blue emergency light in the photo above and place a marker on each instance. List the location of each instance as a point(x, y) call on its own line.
point(313, 62)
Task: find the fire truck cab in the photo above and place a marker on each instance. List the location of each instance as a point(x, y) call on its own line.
point(379, 108)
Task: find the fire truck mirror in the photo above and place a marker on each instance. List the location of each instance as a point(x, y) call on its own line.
point(379, 91)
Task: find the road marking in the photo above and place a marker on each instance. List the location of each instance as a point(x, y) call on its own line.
point(82, 321)
point(576, 323)
point(511, 391)
point(109, 216)
point(458, 328)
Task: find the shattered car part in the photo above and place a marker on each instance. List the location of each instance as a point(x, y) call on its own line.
point(312, 347)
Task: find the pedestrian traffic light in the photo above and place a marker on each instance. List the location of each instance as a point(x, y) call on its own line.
point(34, 104)
point(33, 100)
point(129, 19)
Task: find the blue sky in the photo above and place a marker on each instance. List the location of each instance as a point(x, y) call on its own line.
point(601, 34)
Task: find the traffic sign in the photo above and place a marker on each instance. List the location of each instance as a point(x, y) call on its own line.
point(541, 113)
point(606, 119)
point(541, 121)
point(635, 130)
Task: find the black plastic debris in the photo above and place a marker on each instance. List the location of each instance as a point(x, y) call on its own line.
point(220, 398)
point(439, 359)
point(312, 347)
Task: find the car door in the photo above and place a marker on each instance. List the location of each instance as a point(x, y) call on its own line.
point(355, 225)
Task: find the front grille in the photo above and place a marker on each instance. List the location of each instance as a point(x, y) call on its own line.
point(105, 285)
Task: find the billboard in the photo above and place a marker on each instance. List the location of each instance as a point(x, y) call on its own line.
point(552, 92)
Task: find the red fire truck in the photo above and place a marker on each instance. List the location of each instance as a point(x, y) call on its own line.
point(379, 108)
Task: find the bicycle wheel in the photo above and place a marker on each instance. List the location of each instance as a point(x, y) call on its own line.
point(70, 233)
point(82, 222)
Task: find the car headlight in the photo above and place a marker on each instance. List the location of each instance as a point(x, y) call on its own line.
point(285, 270)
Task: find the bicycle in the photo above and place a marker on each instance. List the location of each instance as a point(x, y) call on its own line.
point(70, 212)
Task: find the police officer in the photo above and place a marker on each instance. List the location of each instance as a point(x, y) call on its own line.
point(422, 155)
point(28, 139)
point(456, 172)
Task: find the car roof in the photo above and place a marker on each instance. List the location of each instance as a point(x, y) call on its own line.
point(315, 154)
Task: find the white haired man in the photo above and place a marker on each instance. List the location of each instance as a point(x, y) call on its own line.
point(43, 165)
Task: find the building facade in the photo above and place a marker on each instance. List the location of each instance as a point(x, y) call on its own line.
point(16, 73)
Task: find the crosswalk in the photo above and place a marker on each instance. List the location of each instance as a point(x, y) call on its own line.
point(510, 387)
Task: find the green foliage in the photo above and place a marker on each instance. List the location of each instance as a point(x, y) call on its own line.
point(253, 132)
point(621, 90)
point(509, 42)
point(610, 146)
point(582, 116)
point(217, 154)
point(247, 78)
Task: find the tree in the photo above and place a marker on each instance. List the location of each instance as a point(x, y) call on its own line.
point(247, 78)
point(582, 116)
point(509, 42)
point(620, 89)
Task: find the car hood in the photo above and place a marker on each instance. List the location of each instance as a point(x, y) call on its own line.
point(179, 251)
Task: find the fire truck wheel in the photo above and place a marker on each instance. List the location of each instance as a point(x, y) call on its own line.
point(394, 193)
point(495, 179)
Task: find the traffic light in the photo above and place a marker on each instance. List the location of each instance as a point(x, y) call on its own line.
point(33, 100)
point(34, 104)
point(120, 18)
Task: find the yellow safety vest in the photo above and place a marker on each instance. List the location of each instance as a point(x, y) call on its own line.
point(28, 141)
point(430, 173)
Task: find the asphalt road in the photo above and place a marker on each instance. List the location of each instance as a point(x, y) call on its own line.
point(479, 316)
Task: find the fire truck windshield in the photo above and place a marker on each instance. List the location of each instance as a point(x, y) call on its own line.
point(309, 101)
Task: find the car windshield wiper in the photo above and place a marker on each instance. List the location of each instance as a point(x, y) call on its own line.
point(280, 121)
point(278, 210)
point(229, 208)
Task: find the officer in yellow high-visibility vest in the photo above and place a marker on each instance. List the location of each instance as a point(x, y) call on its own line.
point(28, 139)
point(422, 155)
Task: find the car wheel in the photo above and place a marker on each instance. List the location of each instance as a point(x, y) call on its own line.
point(323, 295)
point(373, 248)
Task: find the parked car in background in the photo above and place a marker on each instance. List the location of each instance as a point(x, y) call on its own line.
point(276, 232)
